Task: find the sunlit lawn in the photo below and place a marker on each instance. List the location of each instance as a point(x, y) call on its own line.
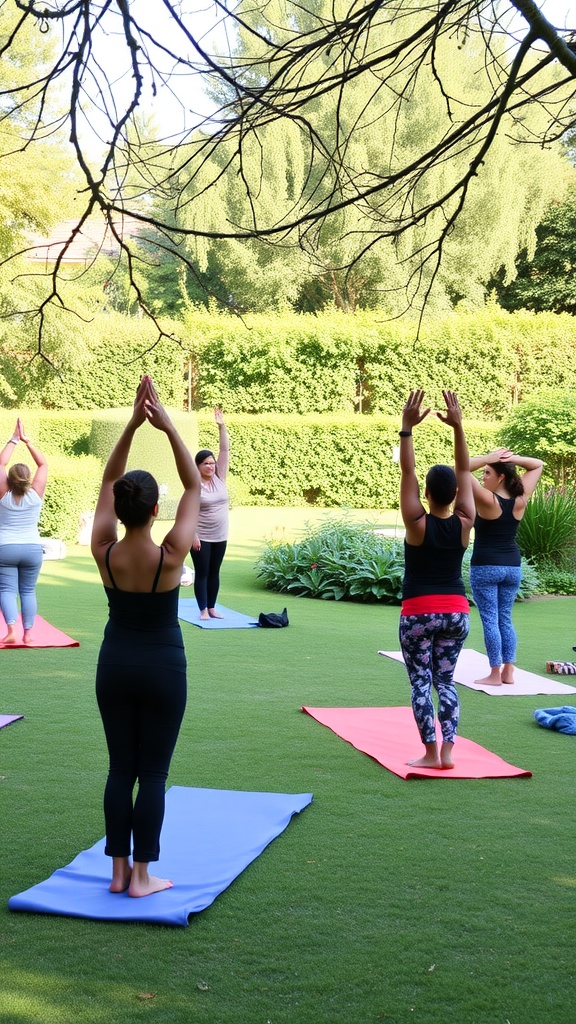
point(440, 902)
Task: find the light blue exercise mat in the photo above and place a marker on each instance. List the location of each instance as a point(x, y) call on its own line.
point(209, 836)
point(188, 611)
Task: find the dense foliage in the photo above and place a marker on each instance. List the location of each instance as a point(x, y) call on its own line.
point(150, 450)
point(77, 444)
point(547, 531)
point(294, 364)
point(72, 489)
point(546, 277)
point(367, 253)
point(96, 366)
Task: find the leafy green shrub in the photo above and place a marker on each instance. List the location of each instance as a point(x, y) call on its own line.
point(54, 431)
point(293, 363)
point(554, 580)
point(99, 364)
point(547, 530)
point(545, 427)
point(330, 362)
point(72, 489)
point(337, 561)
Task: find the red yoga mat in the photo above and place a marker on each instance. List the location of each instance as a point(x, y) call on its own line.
point(43, 635)
point(391, 737)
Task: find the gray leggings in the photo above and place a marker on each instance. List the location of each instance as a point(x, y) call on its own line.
point(20, 565)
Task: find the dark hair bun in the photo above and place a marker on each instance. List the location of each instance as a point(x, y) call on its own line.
point(135, 496)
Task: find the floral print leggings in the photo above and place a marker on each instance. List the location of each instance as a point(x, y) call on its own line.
point(431, 644)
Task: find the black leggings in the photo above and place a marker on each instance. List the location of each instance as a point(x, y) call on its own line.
point(207, 564)
point(141, 712)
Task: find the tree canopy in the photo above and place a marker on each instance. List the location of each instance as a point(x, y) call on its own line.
point(546, 278)
point(378, 138)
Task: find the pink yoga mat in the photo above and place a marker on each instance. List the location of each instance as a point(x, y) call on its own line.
point(391, 737)
point(43, 635)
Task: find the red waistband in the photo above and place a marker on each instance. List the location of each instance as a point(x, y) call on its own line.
point(430, 603)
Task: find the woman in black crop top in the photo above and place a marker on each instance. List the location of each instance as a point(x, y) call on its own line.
point(495, 568)
point(141, 675)
point(434, 620)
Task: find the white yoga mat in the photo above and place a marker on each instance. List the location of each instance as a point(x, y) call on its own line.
point(472, 665)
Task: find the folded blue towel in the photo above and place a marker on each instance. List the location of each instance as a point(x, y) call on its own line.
point(561, 719)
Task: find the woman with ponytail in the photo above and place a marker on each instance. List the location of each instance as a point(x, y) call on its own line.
point(21, 497)
point(141, 674)
point(495, 567)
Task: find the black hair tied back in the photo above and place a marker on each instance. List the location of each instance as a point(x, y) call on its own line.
point(135, 496)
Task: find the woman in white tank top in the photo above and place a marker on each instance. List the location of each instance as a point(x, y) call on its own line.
point(21, 496)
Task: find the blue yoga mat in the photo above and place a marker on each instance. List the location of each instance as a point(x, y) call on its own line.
point(189, 612)
point(208, 838)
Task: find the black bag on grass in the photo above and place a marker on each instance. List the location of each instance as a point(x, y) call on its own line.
point(271, 620)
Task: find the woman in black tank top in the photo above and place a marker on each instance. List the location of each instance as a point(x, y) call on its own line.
point(141, 674)
point(434, 620)
point(495, 568)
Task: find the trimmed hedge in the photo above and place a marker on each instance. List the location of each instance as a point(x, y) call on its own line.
point(98, 366)
point(336, 362)
point(150, 450)
point(64, 431)
point(330, 460)
point(72, 489)
point(303, 363)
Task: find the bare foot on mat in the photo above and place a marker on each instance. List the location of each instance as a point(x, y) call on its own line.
point(152, 885)
point(492, 680)
point(446, 756)
point(425, 762)
point(121, 874)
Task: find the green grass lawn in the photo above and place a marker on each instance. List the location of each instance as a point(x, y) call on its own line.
point(430, 901)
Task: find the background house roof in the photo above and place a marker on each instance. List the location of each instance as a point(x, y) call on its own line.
point(95, 237)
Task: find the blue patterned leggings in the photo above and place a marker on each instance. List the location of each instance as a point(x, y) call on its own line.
point(494, 588)
point(431, 644)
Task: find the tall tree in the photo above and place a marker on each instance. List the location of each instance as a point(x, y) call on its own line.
point(545, 277)
point(343, 258)
point(38, 184)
